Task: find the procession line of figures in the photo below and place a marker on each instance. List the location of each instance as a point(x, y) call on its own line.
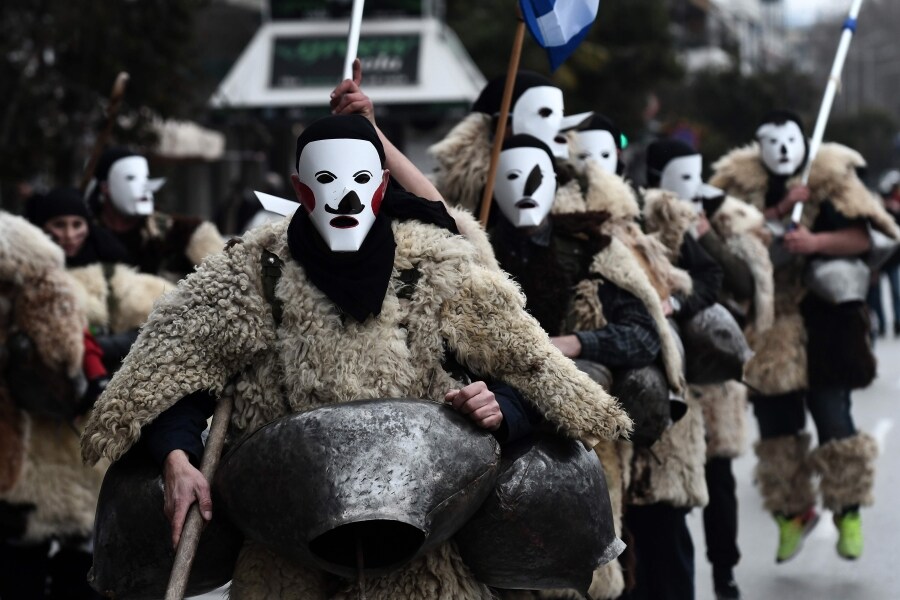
point(634, 321)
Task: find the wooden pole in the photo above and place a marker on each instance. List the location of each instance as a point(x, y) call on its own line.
point(500, 132)
point(115, 102)
point(831, 90)
point(194, 523)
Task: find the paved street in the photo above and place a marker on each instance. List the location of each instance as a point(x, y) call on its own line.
point(818, 573)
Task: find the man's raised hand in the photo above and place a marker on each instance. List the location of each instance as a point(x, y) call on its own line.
point(348, 99)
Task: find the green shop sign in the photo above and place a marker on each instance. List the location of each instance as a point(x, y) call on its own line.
point(319, 61)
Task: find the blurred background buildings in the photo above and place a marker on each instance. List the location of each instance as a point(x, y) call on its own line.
point(221, 88)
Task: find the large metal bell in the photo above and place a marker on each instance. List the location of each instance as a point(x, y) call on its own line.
point(133, 552)
point(390, 478)
point(548, 524)
point(715, 347)
point(838, 280)
point(36, 388)
point(597, 372)
point(644, 394)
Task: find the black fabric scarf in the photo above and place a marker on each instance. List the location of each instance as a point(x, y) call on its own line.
point(357, 282)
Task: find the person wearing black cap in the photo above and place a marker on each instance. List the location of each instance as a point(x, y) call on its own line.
point(818, 349)
point(118, 299)
point(376, 289)
point(121, 198)
point(667, 479)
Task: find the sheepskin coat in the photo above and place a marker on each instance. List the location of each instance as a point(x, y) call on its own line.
point(120, 302)
point(781, 363)
point(39, 459)
point(217, 323)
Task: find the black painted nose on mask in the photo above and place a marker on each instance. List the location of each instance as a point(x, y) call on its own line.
point(349, 205)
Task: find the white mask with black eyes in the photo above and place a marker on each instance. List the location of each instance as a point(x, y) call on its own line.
point(129, 187)
point(682, 176)
point(341, 185)
point(597, 145)
point(539, 113)
point(526, 185)
point(782, 147)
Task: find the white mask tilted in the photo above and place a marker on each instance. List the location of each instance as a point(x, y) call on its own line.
point(129, 187)
point(683, 176)
point(599, 146)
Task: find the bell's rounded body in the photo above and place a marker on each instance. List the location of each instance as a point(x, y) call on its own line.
point(549, 522)
point(715, 347)
point(385, 478)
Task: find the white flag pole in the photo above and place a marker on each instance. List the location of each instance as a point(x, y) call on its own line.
point(830, 91)
point(353, 37)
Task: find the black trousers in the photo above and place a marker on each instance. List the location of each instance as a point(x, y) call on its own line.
point(663, 551)
point(720, 517)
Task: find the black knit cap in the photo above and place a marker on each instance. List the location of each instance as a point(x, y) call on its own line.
point(662, 152)
point(780, 117)
point(338, 127)
point(110, 157)
point(491, 96)
point(61, 201)
point(522, 140)
point(599, 122)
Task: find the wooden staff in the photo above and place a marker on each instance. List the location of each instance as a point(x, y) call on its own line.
point(194, 523)
point(830, 91)
point(353, 37)
point(115, 102)
point(500, 132)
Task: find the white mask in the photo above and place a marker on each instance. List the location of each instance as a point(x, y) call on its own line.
point(682, 176)
point(129, 188)
point(782, 147)
point(597, 145)
point(526, 185)
point(539, 113)
point(341, 185)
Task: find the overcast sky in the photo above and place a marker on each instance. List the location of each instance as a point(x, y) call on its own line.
point(804, 12)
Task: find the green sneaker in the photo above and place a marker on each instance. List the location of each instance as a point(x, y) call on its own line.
point(850, 540)
point(792, 531)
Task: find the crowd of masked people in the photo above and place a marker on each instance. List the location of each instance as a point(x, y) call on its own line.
point(636, 285)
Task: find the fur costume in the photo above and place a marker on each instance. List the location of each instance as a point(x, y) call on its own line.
point(847, 467)
point(217, 323)
point(463, 158)
point(780, 364)
point(40, 463)
point(121, 302)
point(783, 474)
point(724, 407)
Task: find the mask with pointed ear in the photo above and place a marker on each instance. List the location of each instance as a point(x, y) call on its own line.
point(341, 183)
point(782, 147)
point(129, 187)
point(526, 181)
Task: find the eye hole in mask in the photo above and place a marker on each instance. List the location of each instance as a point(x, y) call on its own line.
point(513, 175)
point(325, 177)
point(545, 112)
point(362, 177)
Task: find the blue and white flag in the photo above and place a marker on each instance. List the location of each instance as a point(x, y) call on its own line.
point(558, 26)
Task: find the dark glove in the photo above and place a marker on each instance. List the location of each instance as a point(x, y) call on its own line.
point(14, 520)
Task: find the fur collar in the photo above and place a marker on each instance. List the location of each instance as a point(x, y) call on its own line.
point(464, 158)
point(669, 218)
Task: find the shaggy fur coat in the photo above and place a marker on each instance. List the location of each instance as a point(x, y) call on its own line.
point(39, 458)
point(123, 301)
point(217, 323)
point(780, 364)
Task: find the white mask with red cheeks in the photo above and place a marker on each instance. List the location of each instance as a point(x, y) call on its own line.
point(341, 185)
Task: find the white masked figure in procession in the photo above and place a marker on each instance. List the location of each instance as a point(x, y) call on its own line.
point(376, 292)
point(818, 349)
point(600, 141)
point(463, 156)
point(733, 235)
point(121, 196)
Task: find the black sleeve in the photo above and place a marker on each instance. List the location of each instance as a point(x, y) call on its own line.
point(180, 428)
point(629, 340)
point(519, 417)
point(705, 275)
point(737, 276)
